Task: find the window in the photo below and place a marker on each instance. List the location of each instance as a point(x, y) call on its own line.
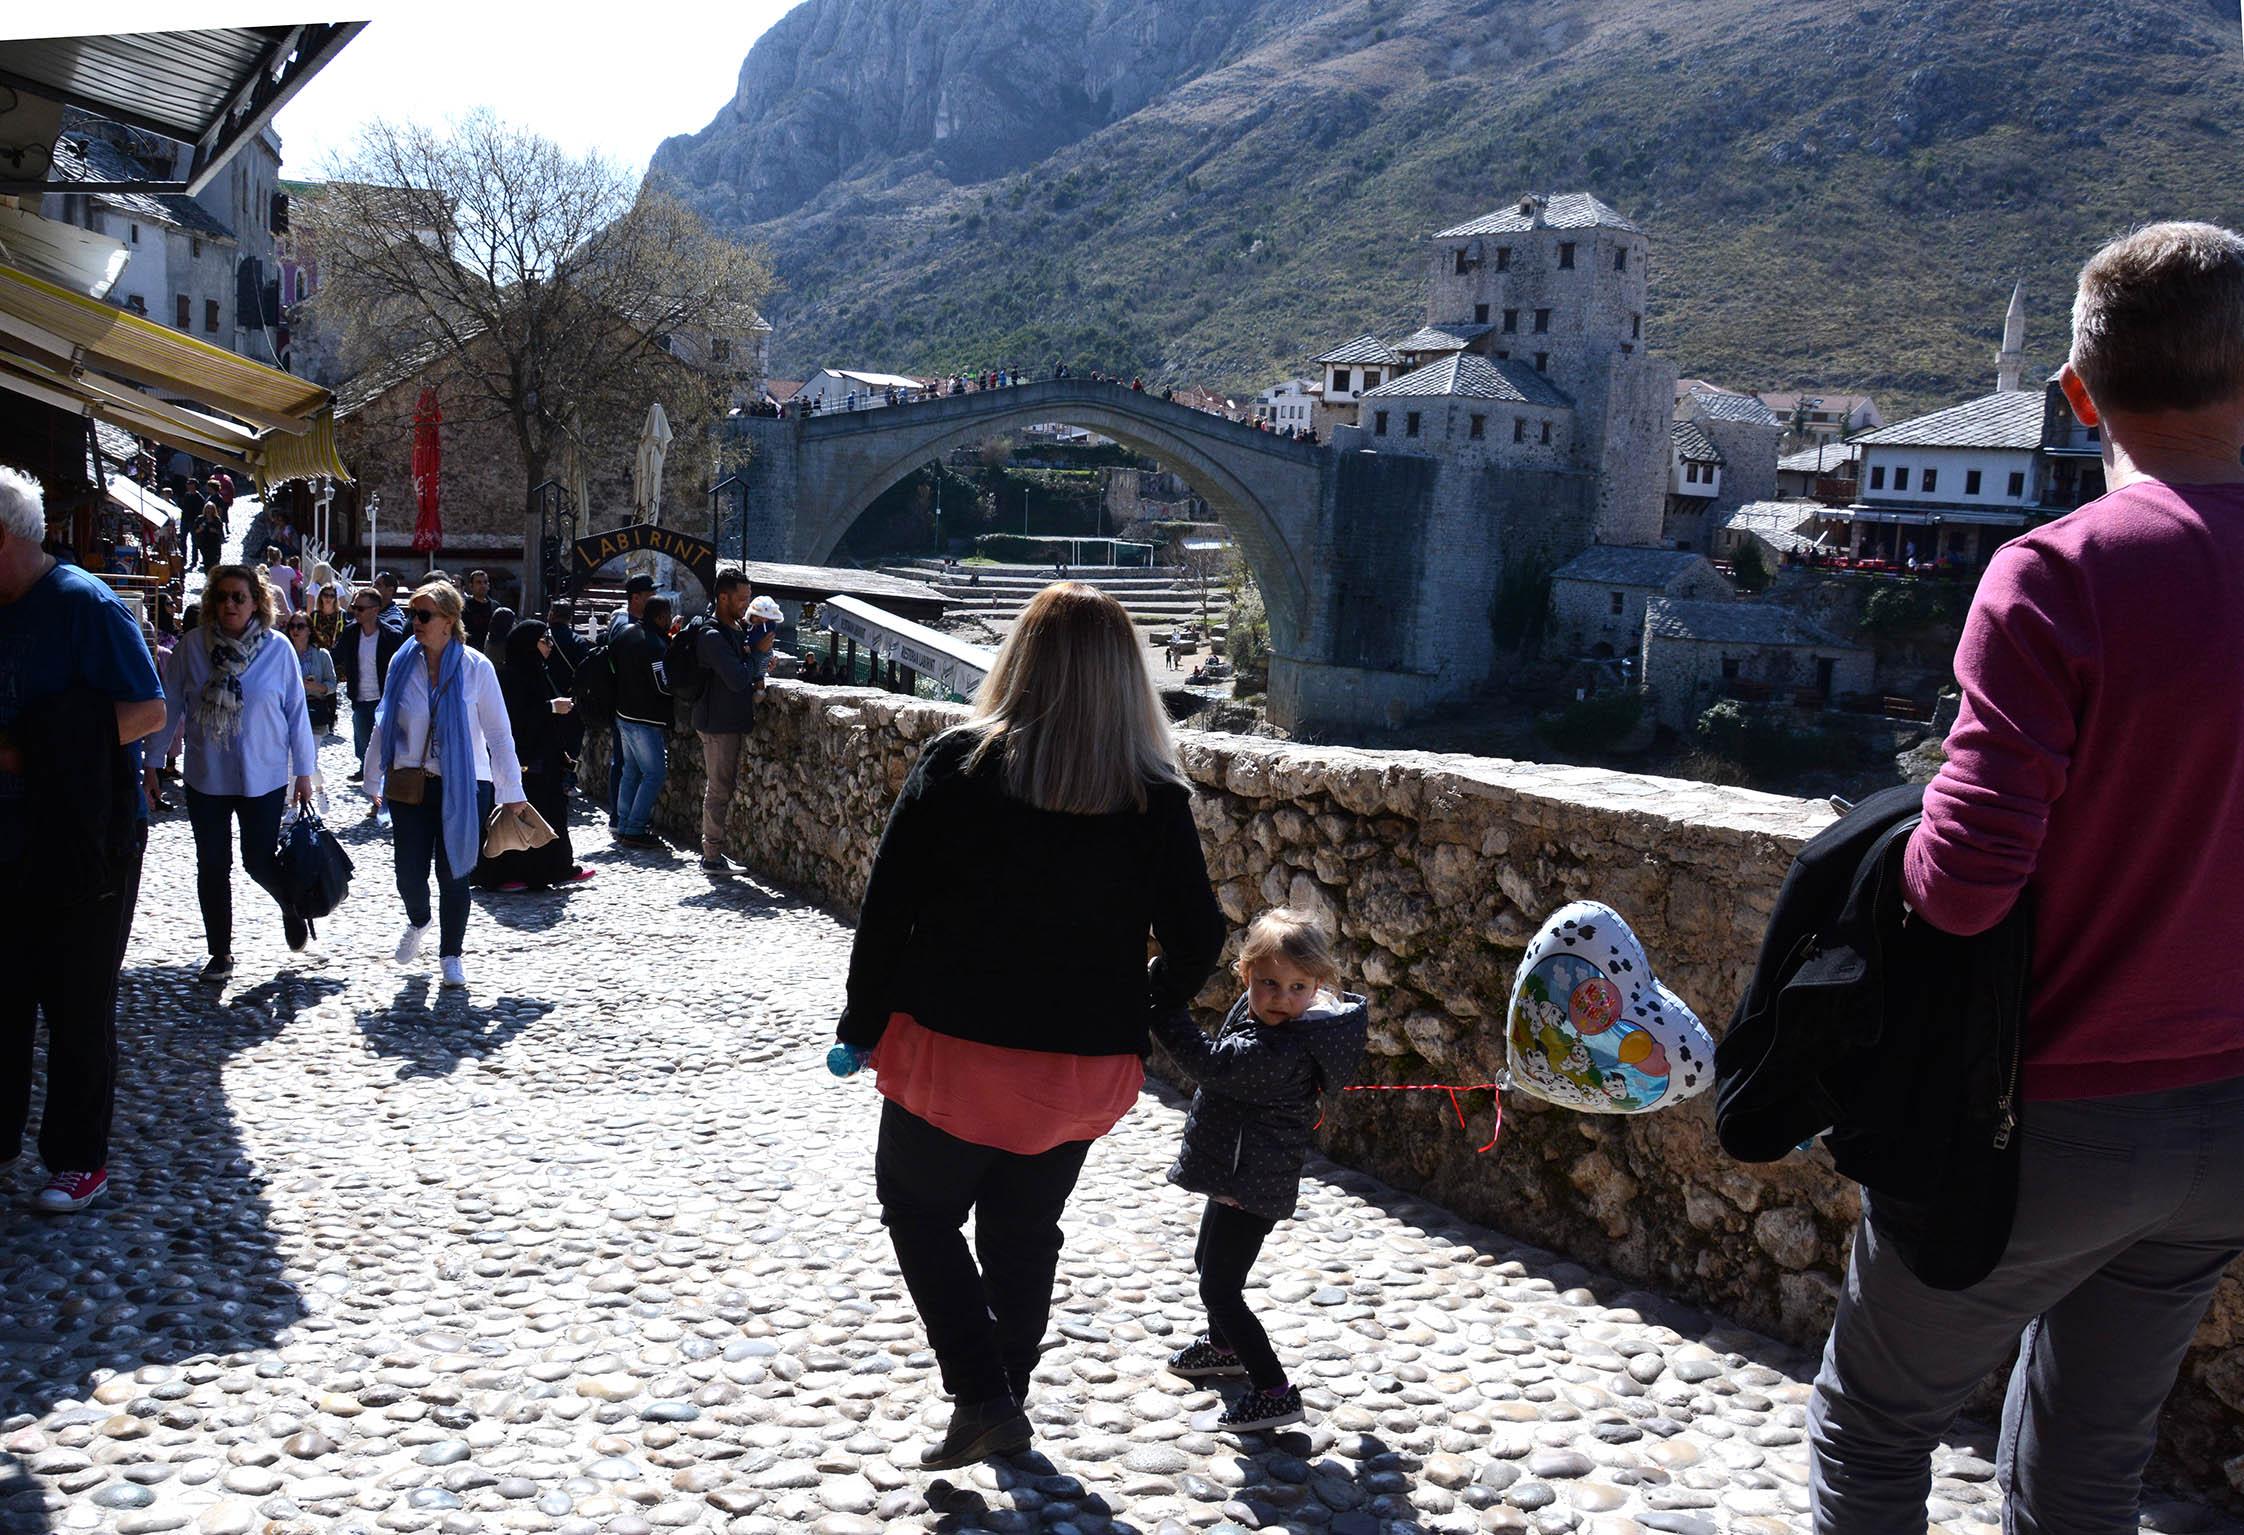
point(195, 249)
point(1410, 423)
point(1503, 258)
point(1971, 482)
point(135, 228)
point(1501, 355)
point(1730, 668)
point(1620, 259)
point(2017, 483)
point(1459, 268)
point(1546, 431)
point(1620, 603)
point(1636, 327)
point(1901, 477)
point(1479, 428)
point(1690, 474)
point(186, 320)
point(1566, 256)
point(1480, 314)
point(210, 315)
point(1519, 428)
point(1932, 480)
point(1340, 377)
point(1378, 423)
point(1542, 322)
point(1542, 362)
point(720, 349)
point(1877, 477)
point(137, 304)
point(1371, 378)
point(1511, 322)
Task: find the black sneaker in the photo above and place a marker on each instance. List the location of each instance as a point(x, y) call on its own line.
point(358, 775)
point(298, 930)
point(984, 1431)
point(1205, 1361)
point(1262, 1409)
point(220, 969)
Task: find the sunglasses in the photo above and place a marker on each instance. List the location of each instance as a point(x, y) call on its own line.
point(228, 598)
point(424, 615)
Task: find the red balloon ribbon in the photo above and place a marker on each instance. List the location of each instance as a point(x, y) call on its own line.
point(1493, 1089)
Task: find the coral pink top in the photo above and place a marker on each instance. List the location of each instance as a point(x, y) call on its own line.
point(1023, 1101)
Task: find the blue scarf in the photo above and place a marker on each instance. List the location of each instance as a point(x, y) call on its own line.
point(463, 830)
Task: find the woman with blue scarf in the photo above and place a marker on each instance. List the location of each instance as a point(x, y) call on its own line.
point(441, 743)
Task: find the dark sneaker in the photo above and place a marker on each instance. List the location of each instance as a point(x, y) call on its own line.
point(1205, 1361)
point(715, 863)
point(984, 1431)
point(299, 931)
point(71, 1191)
point(638, 840)
point(219, 969)
point(1262, 1409)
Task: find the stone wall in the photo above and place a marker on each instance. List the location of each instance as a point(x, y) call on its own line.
point(1435, 872)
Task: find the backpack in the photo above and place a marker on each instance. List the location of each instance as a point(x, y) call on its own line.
point(595, 690)
point(681, 661)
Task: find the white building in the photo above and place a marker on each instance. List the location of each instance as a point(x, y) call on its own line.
point(1350, 369)
point(854, 389)
point(1694, 464)
point(180, 257)
point(1289, 405)
point(1828, 416)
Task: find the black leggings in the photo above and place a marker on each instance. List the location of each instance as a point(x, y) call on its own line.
point(1230, 1241)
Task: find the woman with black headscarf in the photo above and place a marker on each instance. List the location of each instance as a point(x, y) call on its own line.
point(539, 719)
point(494, 643)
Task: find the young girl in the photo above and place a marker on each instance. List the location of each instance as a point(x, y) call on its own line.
point(1291, 1036)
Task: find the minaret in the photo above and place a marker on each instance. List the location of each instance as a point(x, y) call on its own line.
point(2010, 362)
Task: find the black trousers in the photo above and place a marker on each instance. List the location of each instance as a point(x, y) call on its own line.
point(213, 817)
point(63, 962)
point(1230, 1240)
point(985, 1323)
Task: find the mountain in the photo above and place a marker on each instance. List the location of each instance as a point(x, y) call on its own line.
point(1840, 192)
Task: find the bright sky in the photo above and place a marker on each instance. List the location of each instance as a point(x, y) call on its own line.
point(619, 78)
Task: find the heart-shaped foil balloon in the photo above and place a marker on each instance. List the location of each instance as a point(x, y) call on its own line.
point(1592, 1028)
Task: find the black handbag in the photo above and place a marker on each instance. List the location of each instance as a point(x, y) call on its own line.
point(315, 872)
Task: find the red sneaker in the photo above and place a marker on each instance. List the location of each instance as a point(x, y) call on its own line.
point(72, 1191)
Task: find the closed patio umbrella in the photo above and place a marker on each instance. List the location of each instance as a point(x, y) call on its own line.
point(646, 469)
point(428, 467)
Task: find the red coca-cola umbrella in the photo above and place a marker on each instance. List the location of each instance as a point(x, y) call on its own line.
point(428, 468)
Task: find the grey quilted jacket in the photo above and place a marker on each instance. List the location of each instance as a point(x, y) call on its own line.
point(1251, 1119)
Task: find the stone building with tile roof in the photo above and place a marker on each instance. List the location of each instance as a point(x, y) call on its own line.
point(1599, 598)
point(1693, 653)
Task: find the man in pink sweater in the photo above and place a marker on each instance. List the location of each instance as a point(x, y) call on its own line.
point(2096, 769)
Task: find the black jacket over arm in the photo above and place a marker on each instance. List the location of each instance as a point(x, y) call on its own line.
point(990, 920)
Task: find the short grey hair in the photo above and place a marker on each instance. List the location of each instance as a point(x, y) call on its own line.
point(2158, 323)
point(23, 506)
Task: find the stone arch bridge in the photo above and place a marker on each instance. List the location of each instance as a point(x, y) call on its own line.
point(1371, 617)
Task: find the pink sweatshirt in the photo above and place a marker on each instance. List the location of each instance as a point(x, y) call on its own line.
point(2098, 761)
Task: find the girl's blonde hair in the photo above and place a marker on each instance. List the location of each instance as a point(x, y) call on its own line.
point(448, 601)
point(1070, 710)
point(1295, 936)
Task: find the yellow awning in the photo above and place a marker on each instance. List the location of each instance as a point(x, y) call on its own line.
point(82, 355)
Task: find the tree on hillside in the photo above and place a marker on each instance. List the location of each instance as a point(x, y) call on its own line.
point(556, 296)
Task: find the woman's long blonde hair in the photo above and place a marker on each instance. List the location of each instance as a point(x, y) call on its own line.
point(1069, 707)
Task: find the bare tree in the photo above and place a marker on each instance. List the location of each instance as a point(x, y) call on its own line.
point(559, 296)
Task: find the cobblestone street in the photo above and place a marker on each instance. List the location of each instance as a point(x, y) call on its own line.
point(594, 1248)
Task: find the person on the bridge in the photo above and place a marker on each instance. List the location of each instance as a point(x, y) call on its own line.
point(999, 982)
point(78, 693)
point(235, 693)
point(1291, 1036)
point(443, 748)
point(2092, 770)
point(645, 716)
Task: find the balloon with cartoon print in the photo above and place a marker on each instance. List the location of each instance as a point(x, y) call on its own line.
point(1591, 1027)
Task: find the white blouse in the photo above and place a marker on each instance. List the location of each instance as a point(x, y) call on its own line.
point(407, 688)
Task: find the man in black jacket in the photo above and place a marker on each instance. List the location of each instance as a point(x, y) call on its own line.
point(645, 716)
point(362, 661)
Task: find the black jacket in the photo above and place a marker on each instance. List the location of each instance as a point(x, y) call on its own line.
point(387, 643)
point(988, 919)
point(639, 696)
point(1897, 1042)
point(80, 812)
point(1256, 1106)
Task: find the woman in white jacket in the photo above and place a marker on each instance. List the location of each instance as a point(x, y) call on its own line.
point(441, 749)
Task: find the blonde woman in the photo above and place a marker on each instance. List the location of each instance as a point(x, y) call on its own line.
point(442, 727)
point(999, 983)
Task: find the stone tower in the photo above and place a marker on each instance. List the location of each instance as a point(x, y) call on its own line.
point(2010, 362)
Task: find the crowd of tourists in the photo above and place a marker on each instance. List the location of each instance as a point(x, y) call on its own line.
point(1004, 1001)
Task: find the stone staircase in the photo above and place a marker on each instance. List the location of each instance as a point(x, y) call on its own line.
point(1157, 598)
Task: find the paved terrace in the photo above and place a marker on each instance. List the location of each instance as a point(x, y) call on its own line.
point(594, 1249)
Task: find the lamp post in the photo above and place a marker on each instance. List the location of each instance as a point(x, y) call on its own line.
point(729, 493)
point(373, 534)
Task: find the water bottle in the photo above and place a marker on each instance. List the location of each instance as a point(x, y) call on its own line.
point(846, 1060)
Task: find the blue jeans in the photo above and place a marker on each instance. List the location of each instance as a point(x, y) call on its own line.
point(645, 763)
point(2129, 1211)
point(418, 831)
point(362, 732)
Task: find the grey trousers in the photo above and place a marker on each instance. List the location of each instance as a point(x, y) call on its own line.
point(2129, 1210)
point(720, 762)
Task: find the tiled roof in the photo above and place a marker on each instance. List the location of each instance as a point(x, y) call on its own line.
point(1734, 623)
point(1566, 210)
point(1362, 349)
point(1837, 458)
point(1693, 445)
point(83, 157)
point(1473, 377)
point(1627, 565)
point(1442, 338)
point(1714, 405)
point(1779, 524)
point(2007, 419)
point(1782, 401)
